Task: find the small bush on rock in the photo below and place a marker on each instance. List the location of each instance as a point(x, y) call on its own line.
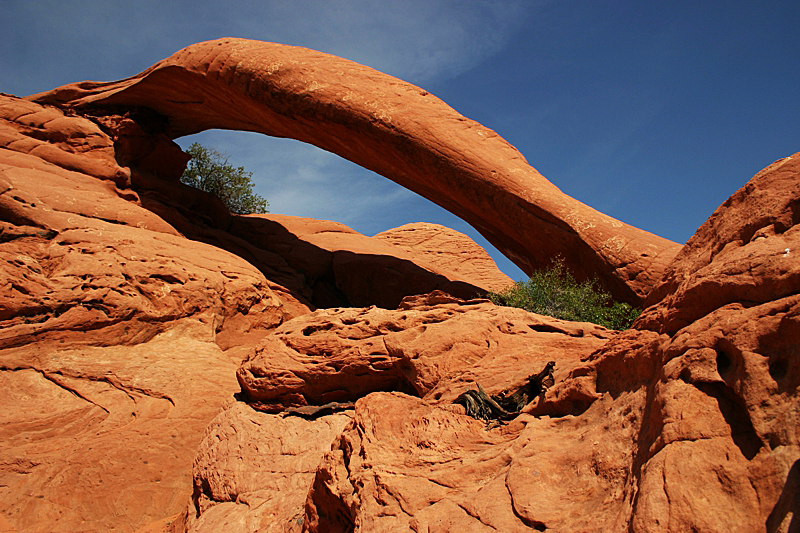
point(209, 171)
point(555, 292)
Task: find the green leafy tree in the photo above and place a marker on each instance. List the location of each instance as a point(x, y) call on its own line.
point(555, 292)
point(209, 171)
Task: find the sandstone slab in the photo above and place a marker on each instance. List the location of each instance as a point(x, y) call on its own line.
point(433, 351)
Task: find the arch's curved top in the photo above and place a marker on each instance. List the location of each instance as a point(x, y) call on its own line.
point(395, 129)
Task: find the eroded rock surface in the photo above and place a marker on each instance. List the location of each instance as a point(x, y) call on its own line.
point(108, 321)
point(431, 351)
point(130, 307)
point(671, 426)
point(433, 348)
point(253, 470)
point(119, 336)
point(746, 253)
point(396, 129)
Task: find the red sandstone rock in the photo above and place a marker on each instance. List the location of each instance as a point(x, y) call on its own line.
point(434, 347)
point(253, 470)
point(745, 253)
point(404, 465)
point(108, 320)
point(339, 355)
point(340, 267)
point(690, 430)
point(451, 251)
point(113, 365)
point(101, 438)
point(395, 129)
point(113, 324)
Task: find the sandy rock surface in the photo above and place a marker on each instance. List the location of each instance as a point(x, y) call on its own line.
point(432, 351)
point(253, 470)
point(448, 248)
point(745, 253)
point(664, 427)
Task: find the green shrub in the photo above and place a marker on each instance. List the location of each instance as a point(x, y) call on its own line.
point(209, 171)
point(555, 292)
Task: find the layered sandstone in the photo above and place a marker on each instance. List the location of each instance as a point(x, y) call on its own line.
point(660, 428)
point(416, 450)
point(642, 425)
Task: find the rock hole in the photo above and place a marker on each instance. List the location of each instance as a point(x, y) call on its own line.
point(310, 330)
point(545, 328)
point(778, 369)
point(724, 362)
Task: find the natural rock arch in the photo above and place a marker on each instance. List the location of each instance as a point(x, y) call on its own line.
point(395, 129)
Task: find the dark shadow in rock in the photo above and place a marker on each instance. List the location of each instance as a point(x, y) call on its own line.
point(316, 277)
point(788, 502)
point(734, 411)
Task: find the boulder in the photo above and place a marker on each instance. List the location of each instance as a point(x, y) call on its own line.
point(450, 251)
point(431, 351)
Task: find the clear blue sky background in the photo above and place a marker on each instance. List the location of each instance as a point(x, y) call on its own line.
point(652, 112)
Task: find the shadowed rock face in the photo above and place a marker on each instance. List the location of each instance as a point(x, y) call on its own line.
point(396, 129)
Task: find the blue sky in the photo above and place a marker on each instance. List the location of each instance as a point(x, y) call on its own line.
point(652, 112)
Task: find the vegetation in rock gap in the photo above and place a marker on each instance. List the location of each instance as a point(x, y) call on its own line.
point(209, 171)
point(555, 292)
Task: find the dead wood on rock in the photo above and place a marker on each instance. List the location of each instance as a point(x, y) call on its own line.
point(505, 406)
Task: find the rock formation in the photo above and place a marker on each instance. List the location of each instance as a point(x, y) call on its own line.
point(120, 337)
point(396, 129)
point(151, 344)
point(661, 428)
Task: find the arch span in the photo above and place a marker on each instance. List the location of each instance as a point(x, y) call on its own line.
point(397, 130)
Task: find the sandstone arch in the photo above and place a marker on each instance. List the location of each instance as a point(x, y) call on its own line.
point(395, 129)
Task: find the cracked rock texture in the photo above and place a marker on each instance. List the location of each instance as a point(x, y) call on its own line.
point(429, 350)
point(157, 353)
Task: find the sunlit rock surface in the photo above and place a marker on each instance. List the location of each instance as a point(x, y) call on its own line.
point(156, 353)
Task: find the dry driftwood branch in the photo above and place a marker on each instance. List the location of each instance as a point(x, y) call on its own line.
point(505, 406)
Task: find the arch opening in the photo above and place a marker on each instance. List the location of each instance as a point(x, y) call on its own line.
point(396, 130)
